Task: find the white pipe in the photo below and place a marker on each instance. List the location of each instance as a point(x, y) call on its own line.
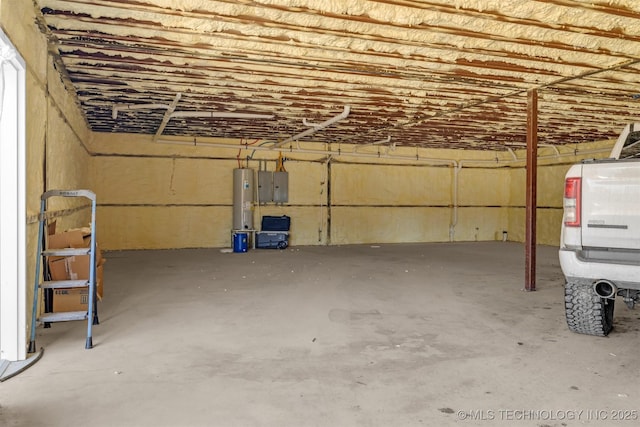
point(315, 128)
point(553, 147)
point(382, 141)
point(167, 115)
point(524, 144)
point(457, 166)
point(214, 114)
point(619, 145)
point(130, 107)
point(195, 143)
point(416, 158)
point(309, 124)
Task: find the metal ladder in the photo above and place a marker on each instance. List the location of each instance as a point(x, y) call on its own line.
point(91, 315)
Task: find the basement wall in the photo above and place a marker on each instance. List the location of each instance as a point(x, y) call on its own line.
point(157, 196)
point(56, 155)
point(551, 173)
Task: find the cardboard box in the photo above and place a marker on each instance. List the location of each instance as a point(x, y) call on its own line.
point(77, 238)
point(68, 239)
point(58, 268)
point(76, 299)
point(74, 267)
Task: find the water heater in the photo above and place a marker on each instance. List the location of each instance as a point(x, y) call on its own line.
point(243, 192)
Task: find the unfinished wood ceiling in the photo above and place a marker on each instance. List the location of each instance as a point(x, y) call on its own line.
point(427, 73)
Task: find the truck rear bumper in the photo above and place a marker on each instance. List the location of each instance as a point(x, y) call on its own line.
point(625, 276)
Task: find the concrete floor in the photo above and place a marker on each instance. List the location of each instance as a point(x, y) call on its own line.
point(396, 335)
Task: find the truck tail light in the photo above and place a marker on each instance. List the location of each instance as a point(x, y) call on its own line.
point(572, 201)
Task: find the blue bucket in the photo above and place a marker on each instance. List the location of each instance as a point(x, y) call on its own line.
point(240, 242)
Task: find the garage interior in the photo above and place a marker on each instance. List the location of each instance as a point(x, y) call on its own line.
point(410, 132)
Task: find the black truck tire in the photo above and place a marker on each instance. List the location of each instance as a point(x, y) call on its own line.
point(586, 312)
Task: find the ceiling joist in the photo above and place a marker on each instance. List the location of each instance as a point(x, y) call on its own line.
point(425, 73)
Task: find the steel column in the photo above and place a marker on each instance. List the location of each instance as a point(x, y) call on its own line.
point(531, 202)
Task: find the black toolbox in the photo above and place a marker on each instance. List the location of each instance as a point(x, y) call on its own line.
point(275, 232)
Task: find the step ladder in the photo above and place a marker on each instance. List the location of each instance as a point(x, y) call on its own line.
point(91, 315)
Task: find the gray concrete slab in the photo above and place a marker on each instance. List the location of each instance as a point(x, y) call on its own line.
point(395, 335)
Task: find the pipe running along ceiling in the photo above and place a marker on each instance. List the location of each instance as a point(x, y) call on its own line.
point(424, 73)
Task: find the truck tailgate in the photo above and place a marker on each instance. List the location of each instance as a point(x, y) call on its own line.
point(611, 205)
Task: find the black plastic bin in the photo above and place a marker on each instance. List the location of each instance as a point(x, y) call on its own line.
point(272, 239)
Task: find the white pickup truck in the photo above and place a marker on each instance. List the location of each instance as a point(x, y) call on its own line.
point(600, 241)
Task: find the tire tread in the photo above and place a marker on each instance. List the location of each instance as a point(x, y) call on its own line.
point(586, 312)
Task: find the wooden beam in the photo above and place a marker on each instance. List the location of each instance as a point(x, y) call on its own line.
point(531, 202)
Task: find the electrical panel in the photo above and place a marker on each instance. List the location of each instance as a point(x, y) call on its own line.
point(273, 187)
point(265, 187)
point(281, 187)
